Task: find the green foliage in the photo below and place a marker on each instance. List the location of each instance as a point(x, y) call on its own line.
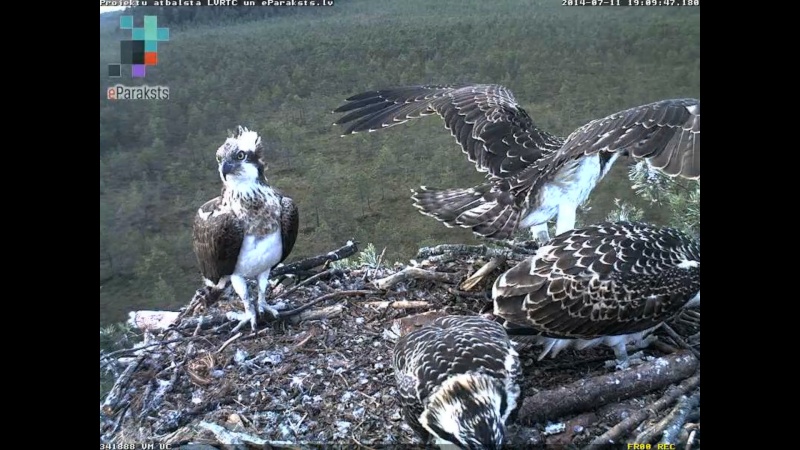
point(680, 197)
point(367, 258)
point(282, 70)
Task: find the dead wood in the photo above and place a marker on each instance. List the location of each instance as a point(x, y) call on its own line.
point(415, 273)
point(114, 397)
point(517, 253)
point(614, 435)
point(348, 250)
point(671, 425)
point(317, 314)
point(400, 304)
point(332, 295)
point(679, 340)
point(588, 394)
point(481, 273)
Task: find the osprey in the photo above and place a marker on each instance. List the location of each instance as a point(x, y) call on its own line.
point(609, 283)
point(457, 381)
point(532, 175)
point(248, 230)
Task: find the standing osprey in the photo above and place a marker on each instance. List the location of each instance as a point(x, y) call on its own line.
point(457, 381)
point(610, 283)
point(532, 175)
point(248, 230)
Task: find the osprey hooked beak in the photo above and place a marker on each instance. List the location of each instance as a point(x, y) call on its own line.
point(227, 167)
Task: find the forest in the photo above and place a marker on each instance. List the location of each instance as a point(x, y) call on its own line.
point(281, 71)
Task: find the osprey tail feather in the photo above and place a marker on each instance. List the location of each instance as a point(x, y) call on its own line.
point(487, 212)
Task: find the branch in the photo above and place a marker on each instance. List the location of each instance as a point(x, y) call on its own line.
point(515, 252)
point(670, 425)
point(481, 273)
point(337, 294)
point(399, 304)
point(309, 263)
point(613, 435)
point(418, 274)
point(590, 393)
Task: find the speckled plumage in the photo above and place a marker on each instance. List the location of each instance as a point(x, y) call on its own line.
point(249, 229)
point(458, 373)
point(532, 175)
point(599, 282)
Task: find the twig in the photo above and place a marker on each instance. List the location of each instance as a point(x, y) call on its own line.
point(472, 250)
point(317, 313)
point(225, 344)
point(126, 351)
point(487, 268)
point(113, 398)
point(415, 273)
point(679, 340)
point(332, 295)
point(309, 263)
point(353, 436)
point(671, 425)
point(590, 393)
point(307, 281)
point(613, 435)
point(690, 441)
point(400, 304)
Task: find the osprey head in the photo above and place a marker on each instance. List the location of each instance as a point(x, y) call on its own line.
point(240, 158)
point(470, 411)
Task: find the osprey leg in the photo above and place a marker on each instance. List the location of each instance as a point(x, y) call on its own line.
point(540, 233)
point(263, 284)
point(250, 311)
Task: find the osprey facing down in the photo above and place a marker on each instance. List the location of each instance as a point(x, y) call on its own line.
point(457, 381)
point(610, 283)
point(532, 175)
point(248, 230)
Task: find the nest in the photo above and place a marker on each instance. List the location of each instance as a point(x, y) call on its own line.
point(321, 374)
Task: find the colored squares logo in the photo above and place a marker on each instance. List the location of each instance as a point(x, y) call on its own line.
point(141, 50)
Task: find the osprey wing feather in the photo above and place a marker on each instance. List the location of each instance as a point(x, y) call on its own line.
point(532, 175)
point(485, 119)
point(609, 279)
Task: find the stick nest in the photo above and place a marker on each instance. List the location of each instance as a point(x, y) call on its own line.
point(323, 375)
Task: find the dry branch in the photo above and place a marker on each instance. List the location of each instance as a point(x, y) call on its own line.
point(114, 397)
point(332, 295)
point(588, 394)
point(670, 426)
point(613, 435)
point(400, 304)
point(317, 314)
point(679, 340)
point(348, 250)
point(481, 273)
point(473, 250)
point(417, 274)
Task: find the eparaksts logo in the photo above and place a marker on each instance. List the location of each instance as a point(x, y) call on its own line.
point(144, 92)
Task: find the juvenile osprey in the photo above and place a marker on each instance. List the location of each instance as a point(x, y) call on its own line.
point(532, 175)
point(610, 283)
point(248, 230)
point(457, 381)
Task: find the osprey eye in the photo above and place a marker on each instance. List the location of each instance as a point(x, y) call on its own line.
point(240, 155)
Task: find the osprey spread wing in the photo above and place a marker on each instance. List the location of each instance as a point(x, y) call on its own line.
point(248, 230)
point(457, 381)
point(532, 175)
point(607, 283)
